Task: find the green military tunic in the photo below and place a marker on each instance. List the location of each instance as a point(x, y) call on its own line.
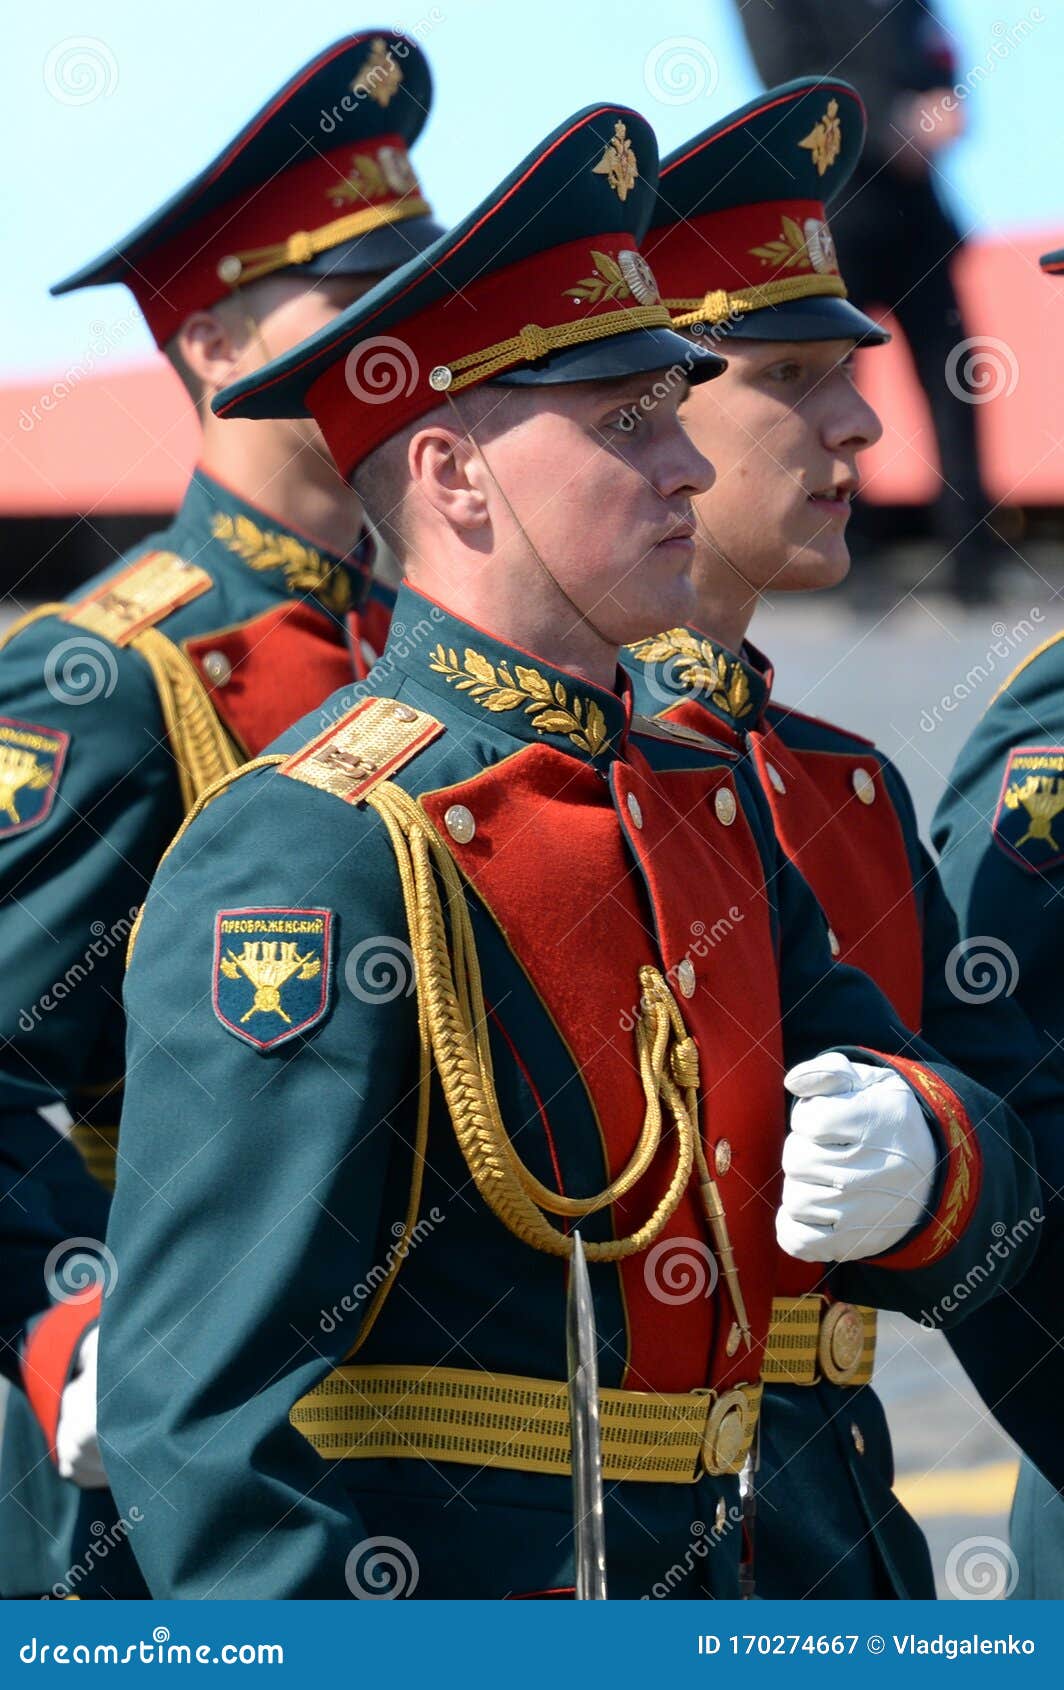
point(844, 815)
point(114, 709)
point(999, 831)
point(389, 1012)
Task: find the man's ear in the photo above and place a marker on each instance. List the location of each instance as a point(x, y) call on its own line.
point(447, 470)
point(206, 344)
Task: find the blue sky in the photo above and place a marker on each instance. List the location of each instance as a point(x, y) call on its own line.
point(172, 85)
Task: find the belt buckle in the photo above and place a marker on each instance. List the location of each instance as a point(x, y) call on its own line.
point(728, 1431)
point(840, 1345)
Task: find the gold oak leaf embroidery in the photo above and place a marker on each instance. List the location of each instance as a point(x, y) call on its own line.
point(380, 76)
point(363, 182)
point(496, 688)
point(305, 570)
point(618, 163)
point(824, 140)
point(960, 1187)
point(700, 667)
point(788, 250)
point(607, 283)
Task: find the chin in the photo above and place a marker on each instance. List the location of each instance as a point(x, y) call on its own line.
point(813, 571)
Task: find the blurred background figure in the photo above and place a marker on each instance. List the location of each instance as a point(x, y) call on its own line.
point(897, 241)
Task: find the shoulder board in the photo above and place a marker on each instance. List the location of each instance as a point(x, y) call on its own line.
point(657, 727)
point(139, 597)
point(366, 746)
point(1045, 646)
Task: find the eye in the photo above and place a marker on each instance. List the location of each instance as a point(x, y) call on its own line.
point(628, 420)
point(787, 370)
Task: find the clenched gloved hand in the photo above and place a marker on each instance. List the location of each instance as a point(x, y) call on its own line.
point(77, 1452)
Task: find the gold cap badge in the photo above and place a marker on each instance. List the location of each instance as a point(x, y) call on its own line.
point(618, 163)
point(824, 140)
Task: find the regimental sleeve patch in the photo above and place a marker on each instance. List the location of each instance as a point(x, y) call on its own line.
point(1029, 823)
point(272, 972)
point(31, 762)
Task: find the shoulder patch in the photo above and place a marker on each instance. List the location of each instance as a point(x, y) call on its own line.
point(363, 748)
point(139, 597)
point(272, 972)
point(31, 762)
point(1028, 825)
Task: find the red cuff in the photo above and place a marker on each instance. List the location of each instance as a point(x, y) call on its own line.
point(48, 1358)
point(964, 1169)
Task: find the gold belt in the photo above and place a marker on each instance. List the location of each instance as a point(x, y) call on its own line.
point(505, 1420)
point(810, 1338)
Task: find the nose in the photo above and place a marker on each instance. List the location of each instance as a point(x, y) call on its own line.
point(851, 423)
point(682, 468)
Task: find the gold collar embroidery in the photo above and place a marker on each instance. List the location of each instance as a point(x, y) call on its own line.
point(498, 689)
point(305, 570)
point(700, 667)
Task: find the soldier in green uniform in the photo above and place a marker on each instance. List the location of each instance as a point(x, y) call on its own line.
point(334, 1356)
point(189, 655)
point(998, 827)
point(743, 253)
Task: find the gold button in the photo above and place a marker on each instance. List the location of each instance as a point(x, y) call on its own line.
point(775, 777)
point(858, 1437)
point(864, 786)
point(217, 668)
point(722, 1156)
point(403, 712)
point(833, 942)
point(230, 269)
point(460, 824)
point(685, 977)
point(634, 810)
point(733, 1339)
point(724, 804)
point(721, 1517)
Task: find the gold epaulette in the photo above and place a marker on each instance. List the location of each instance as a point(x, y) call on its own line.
point(138, 597)
point(124, 610)
point(366, 746)
point(658, 727)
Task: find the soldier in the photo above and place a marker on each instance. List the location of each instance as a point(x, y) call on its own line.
point(999, 830)
point(119, 706)
point(333, 1361)
point(743, 253)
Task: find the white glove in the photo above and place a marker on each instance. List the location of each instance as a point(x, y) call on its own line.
point(858, 1163)
point(77, 1451)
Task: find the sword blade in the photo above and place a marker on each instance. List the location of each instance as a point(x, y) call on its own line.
point(589, 1525)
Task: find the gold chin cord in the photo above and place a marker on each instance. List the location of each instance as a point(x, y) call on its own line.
point(454, 1034)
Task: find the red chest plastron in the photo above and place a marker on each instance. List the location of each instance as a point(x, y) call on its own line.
point(265, 674)
point(835, 819)
point(587, 890)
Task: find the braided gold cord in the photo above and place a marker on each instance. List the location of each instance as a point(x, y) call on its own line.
point(201, 747)
point(456, 1024)
point(534, 342)
point(240, 268)
point(718, 304)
